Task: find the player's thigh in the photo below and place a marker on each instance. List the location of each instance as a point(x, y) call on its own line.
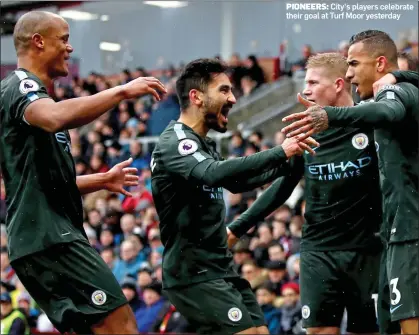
point(72, 284)
point(320, 289)
point(385, 325)
point(402, 269)
point(213, 307)
point(361, 287)
point(249, 300)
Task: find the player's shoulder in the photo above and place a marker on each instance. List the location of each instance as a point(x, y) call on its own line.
point(21, 82)
point(180, 138)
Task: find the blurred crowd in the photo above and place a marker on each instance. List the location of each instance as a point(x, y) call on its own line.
point(125, 231)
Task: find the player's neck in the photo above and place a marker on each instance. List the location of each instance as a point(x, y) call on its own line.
point(344, 101)
point(36, 68)
point(193, 120)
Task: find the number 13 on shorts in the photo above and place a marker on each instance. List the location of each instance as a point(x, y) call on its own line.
point(395, 295)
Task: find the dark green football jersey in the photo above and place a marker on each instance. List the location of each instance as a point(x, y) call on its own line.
point(395, 117)
point(342, 191)
point(192, 215)
point(43, 202)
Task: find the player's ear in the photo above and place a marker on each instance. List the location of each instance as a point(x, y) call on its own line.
point(340, 85)
point(38, 40)
point(381, 63)
point(196, 97)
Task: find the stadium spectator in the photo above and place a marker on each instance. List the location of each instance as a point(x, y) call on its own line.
point(154, 302)
point(291, 310)
point(407, 61)
point(13, 322)
point(129, 288)
point(277, 275)
point(266, 296)
point(129, 261)
point(254, 71)
point(31, 314)
point(300, 65)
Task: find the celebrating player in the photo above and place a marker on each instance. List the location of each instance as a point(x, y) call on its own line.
point(188, 177)
point(343, 212)
point(395, 118)
point(48, 247)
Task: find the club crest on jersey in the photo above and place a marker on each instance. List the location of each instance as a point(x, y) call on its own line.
point(99, 297)
point(360, 141)
point(235, 314)
point(305, 312)
point(187, 147)
point(28, 85)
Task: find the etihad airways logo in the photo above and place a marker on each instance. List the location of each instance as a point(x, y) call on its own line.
point(341, 170)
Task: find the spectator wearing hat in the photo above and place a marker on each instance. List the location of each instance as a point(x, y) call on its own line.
point(154, 302)
point(265, 295)
point(24, 302)
point(13, 322)
point(277, 274)
point(129, 287)
point(291, 318)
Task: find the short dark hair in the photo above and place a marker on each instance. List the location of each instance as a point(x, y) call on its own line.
point(412, 61)
point(197, 75)
point(377, 43)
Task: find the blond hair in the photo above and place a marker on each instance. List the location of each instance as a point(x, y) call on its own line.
point(333, 63)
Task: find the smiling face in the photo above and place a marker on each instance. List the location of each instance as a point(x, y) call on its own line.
point(56, 47)
point(217, 102)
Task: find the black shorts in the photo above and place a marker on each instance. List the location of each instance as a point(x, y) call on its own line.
point(403, 279)
point(331, 281)
point(221, 306)
point(385, 324)
point(72, 284)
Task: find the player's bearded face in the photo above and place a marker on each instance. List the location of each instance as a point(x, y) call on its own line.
point(362, 70)
point(216, 113)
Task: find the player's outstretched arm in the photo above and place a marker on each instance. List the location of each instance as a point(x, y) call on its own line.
point(221, 174)
point(120, 176)
point(270, 200)
point(248, 184)
point(388, 108)
point(72, 113)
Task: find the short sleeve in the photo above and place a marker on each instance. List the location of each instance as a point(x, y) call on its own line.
point(21, 93)
point(181, 156)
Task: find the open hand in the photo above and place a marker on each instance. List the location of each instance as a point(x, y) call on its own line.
point(312, 121)
point(388, 79)
point(143, 86)
point(120, 176)
point(294, 146)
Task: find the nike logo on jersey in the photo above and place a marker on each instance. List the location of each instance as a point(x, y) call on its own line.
point(395, 308)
